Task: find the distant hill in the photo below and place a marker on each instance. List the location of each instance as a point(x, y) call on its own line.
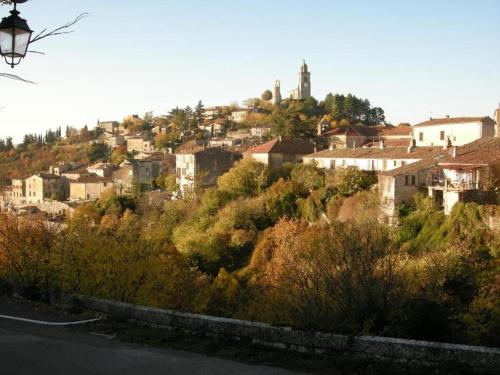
point(20, 163)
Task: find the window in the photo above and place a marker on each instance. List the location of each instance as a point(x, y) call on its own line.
point(406, 180)
point(421, 136)
point(441, 135)
point(403, 163)
point(395, 163)
point(413, 180)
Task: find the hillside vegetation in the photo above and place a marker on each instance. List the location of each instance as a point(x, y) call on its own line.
point(290, 246)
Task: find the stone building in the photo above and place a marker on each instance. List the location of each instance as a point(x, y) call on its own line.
point(303, 90)
point(261, 130)
point(89, 188)
point(279, 151)
point(108, 126)
point(201, 167)
point(276, 93)
point(140, 171)
point(467, 173)
point(399, 185)
point(140, 144)
point(18, 189)
point(45, 186)
point(101, 169)
point(360, 135)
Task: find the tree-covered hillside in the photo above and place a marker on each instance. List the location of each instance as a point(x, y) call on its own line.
point(291, 246)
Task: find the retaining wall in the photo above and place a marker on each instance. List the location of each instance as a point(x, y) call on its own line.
point(400, 352)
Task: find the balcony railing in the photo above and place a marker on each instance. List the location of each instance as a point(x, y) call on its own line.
point(453, 184)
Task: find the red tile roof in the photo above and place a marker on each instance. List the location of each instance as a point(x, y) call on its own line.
point(453, 120)
point(285, 146)
point(484, 151)
point(395, 130)
point(376, 153)
point(370, 131)
point(92, 179)
point(426, 164)
point(389, 143)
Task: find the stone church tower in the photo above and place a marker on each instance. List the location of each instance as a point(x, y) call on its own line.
point(276, 93)
point(304, 82)
point(303, 91)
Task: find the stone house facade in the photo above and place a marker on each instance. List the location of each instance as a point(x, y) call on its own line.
point(278, 151)
point(360, 135)
point(45, 186)
point(467, 173)
point(201, 167)
point(89, 188)
point(109, 126)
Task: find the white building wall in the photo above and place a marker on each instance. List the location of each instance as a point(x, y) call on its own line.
point(450, 198)
point(185, 166)
point(263, 158)
point(459, 134)
point(362, 164)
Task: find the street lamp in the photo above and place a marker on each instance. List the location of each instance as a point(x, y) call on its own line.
point(15, 36)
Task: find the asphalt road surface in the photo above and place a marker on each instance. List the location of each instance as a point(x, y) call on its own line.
point(32, 346)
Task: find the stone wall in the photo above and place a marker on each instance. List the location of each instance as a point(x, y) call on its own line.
point(408, 354)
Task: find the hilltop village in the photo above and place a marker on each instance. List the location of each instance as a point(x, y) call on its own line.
point(451, 159)
point(317, 215)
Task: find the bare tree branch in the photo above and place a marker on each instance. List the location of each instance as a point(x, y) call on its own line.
point(16, 78)
point(64, 29)
point(60, 30)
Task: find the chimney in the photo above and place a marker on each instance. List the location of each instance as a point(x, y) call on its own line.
point(331, 147)
point(448, 144)
point(447, 116)
point(320, 128)
point(279, 138)
point(454, 151)
point(381, 144)
point(412, 145)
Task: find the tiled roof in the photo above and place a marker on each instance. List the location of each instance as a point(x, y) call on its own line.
point(427, 163)
point(377, 153)
point(79, 170)
point(370, 131)
point(389, 143)
point(395, 130)
point(453, 120)
point(484, 151)
point(48, 176)
point(92, 179)
point(285, 146)
point(197, 150)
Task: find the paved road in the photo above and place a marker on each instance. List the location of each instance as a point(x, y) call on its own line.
point(27, 348)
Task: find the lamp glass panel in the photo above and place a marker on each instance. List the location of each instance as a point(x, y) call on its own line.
point(6, 41)
point(22, 41)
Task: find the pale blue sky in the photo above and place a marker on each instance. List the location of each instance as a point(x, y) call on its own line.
point(409, 57)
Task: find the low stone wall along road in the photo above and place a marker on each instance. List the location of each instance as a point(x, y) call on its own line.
point(30, 344)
